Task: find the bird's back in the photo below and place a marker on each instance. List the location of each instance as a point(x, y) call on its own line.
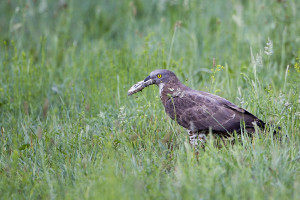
point(200, 111)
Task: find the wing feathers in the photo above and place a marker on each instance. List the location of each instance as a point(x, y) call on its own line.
point(202, 111)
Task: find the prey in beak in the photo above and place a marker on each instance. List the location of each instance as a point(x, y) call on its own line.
point(139, 86)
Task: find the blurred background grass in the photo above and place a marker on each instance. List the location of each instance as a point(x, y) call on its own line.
point(68, 129)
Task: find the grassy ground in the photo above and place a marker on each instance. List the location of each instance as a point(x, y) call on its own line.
point(69, 131)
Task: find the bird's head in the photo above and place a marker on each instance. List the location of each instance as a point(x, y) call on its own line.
point(161, 76)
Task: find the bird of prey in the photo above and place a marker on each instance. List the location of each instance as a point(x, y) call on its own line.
point(199, 112)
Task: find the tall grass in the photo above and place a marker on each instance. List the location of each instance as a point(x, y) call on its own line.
point(69, 131)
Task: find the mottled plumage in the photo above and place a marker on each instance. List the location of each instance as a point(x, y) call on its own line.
point(200, 112)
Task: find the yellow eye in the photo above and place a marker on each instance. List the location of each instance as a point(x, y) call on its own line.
point(158, 75)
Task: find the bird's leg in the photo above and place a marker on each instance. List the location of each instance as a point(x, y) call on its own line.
point(193, 138)
point(197, 138)
point(197, 141)
point(202, 137)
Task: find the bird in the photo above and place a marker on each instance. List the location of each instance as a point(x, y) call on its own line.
point(199, 112)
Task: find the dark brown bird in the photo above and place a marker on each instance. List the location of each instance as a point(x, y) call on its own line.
point(200, 112)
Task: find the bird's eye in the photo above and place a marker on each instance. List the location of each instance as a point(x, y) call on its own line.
point(158, 75)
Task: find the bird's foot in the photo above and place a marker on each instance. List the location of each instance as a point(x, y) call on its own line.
point(197, 139)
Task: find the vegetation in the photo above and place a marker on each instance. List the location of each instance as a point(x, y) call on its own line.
point(69, 131)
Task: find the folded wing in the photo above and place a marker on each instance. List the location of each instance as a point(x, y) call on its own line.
point(201, 111)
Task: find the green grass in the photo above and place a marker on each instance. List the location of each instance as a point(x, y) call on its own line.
point(69, 131)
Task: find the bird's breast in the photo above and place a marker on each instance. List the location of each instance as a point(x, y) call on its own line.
point(168, 92)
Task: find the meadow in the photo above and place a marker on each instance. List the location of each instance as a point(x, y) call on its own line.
point(68, 130)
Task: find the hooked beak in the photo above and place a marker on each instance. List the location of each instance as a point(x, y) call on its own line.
point(147, 78)
point(149, 81)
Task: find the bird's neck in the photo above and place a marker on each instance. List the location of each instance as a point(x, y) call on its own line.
point(170, 90)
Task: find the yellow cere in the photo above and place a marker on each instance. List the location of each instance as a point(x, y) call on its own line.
point(158, 75)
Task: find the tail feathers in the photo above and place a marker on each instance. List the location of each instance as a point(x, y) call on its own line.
point(276, 130)
point(263, 125)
